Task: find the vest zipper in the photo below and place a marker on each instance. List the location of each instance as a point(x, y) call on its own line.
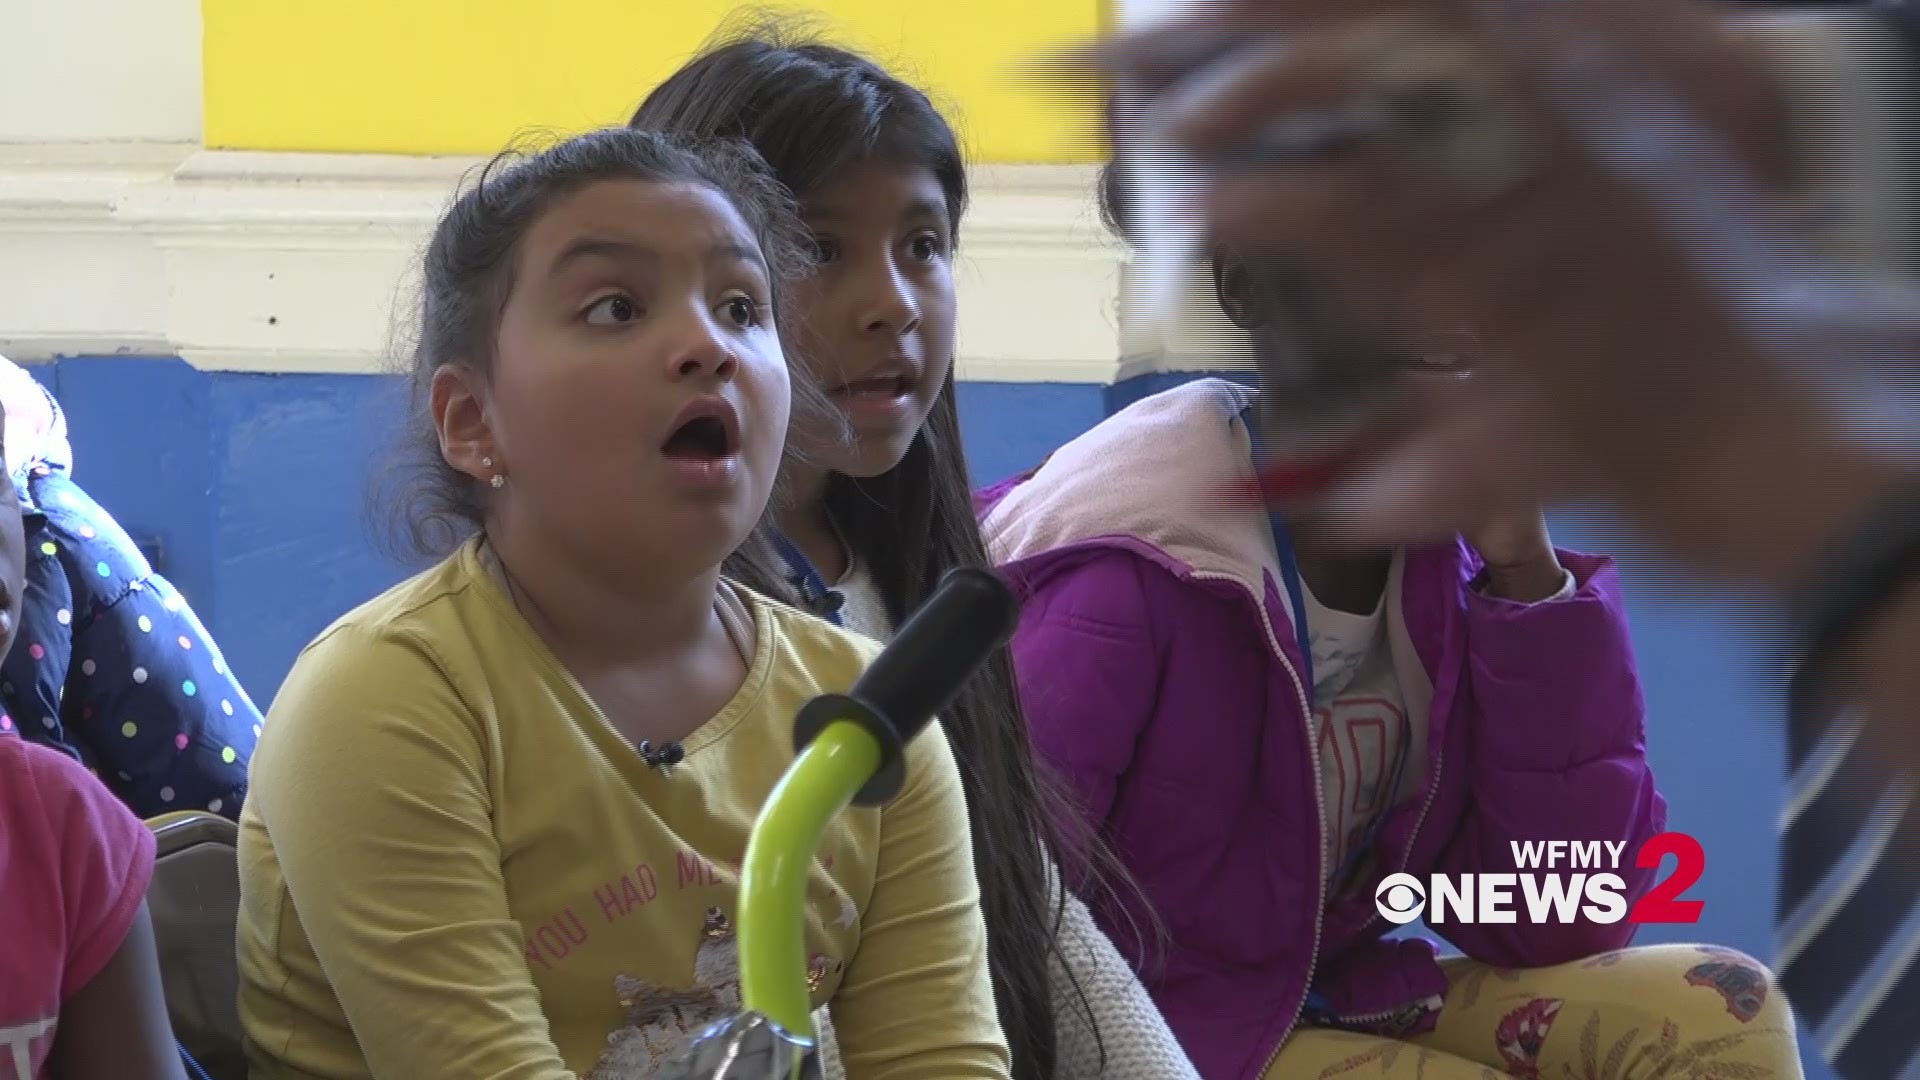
point(1403, 1015)
point(1433, 789)
point(1319, 813)
point(1319, 810)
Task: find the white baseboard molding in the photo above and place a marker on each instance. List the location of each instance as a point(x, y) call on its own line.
point(242, 261)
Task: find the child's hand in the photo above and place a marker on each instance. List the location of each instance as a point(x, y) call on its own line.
point(1512, 540)
point(1616, 332)
point(1519, 555)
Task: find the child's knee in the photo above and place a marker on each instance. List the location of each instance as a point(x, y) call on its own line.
point(1703, 995)
point(1709, 987)
point(1723, 980)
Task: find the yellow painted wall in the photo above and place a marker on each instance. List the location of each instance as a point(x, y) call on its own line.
point(467, 76)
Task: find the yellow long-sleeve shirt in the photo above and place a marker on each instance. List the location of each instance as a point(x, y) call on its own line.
point(453, 868)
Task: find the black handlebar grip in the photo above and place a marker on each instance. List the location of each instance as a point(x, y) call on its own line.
point(920, 671)
point(931, 657)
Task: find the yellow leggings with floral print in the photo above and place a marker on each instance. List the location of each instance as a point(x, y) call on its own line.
point(1660, 1011)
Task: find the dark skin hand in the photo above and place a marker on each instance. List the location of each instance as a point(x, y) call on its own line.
point(116, 1027)
point(1617, 284)
point(1510, 537)
point(1579, 295)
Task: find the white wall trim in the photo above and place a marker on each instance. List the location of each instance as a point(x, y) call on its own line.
point(244, 261)
point(99, 70)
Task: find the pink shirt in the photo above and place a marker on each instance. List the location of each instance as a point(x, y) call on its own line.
point(74, 867)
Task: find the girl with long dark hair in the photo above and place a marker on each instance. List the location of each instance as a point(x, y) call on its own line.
point(875, 513)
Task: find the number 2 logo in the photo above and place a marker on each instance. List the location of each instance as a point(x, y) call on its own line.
point(1663, 903)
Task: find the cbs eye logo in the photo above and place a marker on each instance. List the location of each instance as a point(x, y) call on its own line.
point(1400, 898)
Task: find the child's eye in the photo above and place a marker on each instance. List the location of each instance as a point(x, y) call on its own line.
point(926, 247)
point(742, 311)
point(825, 250)
point(611, 311)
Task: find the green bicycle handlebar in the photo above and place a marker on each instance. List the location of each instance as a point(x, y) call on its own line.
point(773, 876)
point(851, 750)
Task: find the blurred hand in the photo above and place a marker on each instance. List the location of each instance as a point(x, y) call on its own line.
point(1609, 284)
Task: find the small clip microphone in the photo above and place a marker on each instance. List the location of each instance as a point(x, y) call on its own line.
point(663, 757)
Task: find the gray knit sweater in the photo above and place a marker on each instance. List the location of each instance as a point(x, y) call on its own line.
point(1117, 1033)
point(1118, 1018)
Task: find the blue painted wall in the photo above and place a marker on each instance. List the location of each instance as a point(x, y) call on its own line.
point(254, 487)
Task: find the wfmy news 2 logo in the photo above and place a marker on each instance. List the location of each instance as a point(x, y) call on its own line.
point(1560, 881)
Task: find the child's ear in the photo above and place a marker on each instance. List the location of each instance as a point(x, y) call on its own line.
point(459, 406)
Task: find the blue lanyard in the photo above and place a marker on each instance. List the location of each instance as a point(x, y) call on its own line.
point(1289, 565)
point(812, 587)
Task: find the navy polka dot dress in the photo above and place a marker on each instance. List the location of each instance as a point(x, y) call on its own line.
point(112, 667)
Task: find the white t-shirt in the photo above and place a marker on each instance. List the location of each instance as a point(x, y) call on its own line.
point(863, 611)
point(1367, 739)
point(1362, 730)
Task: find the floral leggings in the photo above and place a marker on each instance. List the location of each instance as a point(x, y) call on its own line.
point(1659, 1011)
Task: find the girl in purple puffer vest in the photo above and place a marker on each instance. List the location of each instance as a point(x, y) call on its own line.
point(1266, 729)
